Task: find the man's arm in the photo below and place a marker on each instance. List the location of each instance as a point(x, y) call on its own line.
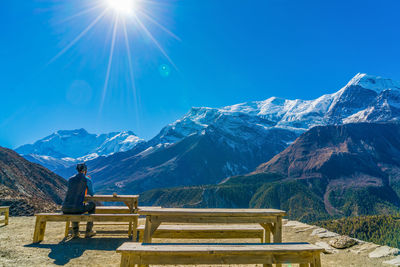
point(89, 186)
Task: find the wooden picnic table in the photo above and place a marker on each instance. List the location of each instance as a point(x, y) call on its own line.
point(130, 200)
point(269, 219)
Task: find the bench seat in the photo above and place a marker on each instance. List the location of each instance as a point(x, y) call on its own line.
point(43, 218)
point(115, 209)
point(304, 254)
point(206, 231)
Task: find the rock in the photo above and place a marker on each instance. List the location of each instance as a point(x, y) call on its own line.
point(300, 230)
point(323, 233)
point(327, 234)
point(394, 262)
point(364, 248)
point(328, 249)
point(383, 252)
point(318, 231)
point(342, 242)
point(296, 224)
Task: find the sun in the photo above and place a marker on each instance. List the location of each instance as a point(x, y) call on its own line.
point(126, 7)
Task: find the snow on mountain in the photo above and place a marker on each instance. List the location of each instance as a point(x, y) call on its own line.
point(66, 147)
point(358, 101)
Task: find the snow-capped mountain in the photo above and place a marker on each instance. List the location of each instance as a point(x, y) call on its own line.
point(241, 136)
point(66, 147)
point(365, 98)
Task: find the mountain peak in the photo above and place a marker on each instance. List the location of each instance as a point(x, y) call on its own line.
point(372, 82)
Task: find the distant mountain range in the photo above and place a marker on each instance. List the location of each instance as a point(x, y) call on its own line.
point(208, 145)
point(329, 171)
point(28, 187)
point(63, 149)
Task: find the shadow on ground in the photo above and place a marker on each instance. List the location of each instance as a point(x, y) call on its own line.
point(64, 251)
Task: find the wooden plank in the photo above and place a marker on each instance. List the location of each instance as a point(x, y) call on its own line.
point(56, 217)
point(214, 219)
point(267, 254)
point(111, 198)
point(179, 259)
point(200, 227)
point(212, 212)
point(215, 248)
point(205, 231)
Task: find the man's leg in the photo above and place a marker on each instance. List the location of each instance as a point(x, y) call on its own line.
point(90, 207)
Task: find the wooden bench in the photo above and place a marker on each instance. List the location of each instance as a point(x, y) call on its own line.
point(206, 231)
point(43, 218)
point(145, 254)
point(116, 209)
point(6, 211)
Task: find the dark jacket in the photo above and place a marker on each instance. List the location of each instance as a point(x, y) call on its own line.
point(77, 186)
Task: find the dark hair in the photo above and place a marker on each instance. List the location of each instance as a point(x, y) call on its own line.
point(81, 167)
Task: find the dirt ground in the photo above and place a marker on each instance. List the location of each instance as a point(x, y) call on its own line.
point(16, 248)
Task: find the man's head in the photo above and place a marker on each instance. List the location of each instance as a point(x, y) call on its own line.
point(81, 168)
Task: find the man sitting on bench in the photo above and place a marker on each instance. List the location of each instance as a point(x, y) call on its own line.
point(78, 186)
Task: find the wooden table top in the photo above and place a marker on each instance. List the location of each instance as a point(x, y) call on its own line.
point(112, 198)
point(211, 212)
point(207, 248)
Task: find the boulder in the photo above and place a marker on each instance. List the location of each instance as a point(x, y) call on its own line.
point(342, 242)
point(328, 249)
point(323, 233)
point(364, 247)
point(383, 252)
point(393, 262)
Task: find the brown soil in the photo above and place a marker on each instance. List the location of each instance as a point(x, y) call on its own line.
point(16, 248)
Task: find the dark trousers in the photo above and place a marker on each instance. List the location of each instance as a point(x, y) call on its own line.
point(89, 207)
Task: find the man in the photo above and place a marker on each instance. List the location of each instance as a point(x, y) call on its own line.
point(78, 186)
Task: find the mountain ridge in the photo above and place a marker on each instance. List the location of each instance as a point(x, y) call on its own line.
point(28, 187)
point(64, 148)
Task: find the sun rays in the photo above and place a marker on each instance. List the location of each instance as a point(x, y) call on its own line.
point(123, 13)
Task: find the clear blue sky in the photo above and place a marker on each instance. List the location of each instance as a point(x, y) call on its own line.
point(230, 51)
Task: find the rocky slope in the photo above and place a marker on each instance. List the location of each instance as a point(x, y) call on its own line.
point(28, 187)
point(67, 147)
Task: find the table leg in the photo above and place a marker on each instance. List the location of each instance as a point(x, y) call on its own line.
point(267, 232)
point(126, 260)
point(277, 232)
point(136, 205)
point(317, 259)
point(130, 206)
point(40, 228)
point(6, 214)
point(67, 224)
point(150, 227)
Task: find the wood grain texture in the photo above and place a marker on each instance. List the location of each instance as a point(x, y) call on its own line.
point(267, 254)
point(212, 212)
